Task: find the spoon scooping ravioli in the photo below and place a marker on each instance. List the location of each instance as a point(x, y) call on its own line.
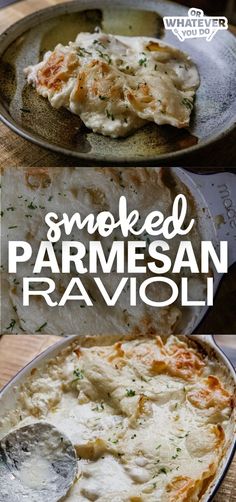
point(38, 463)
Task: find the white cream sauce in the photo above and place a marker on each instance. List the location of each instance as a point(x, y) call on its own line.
point(117, 84)
point(123, 450)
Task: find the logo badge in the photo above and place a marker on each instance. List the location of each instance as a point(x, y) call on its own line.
point(195, 25)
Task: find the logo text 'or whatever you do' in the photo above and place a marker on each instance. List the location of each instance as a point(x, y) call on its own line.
point(195, 25)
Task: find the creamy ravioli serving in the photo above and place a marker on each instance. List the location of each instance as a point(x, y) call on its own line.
point(117, 84)
point(150, 418)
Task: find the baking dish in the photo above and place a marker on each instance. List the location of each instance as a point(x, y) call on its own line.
point(8, 395)
point(215, 198)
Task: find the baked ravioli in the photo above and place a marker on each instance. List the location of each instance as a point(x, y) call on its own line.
point(68, 190)
point(117, 84)
point(150, 417)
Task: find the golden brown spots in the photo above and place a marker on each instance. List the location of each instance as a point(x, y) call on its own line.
point(164, 52)
point(219, 433)
point(118, 352)
point(180, 489)
point(140, 98)
point(210, 394)
point(186, 362)
point(75, 192)
point(92, 450)
point(144, 406)
point(97, 197)
point(155, 46)
point(57, 69)
point(79, 92)
point(39, 179)
point(183, 363)
point(159, 367)
point(78, 351)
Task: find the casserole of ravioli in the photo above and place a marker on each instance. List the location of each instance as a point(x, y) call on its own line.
point(68, 190)
point(150, 418)
point(116, 84)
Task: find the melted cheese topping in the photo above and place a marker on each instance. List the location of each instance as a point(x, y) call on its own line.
point(116, 84)
point(68, 190)
point(140, 435)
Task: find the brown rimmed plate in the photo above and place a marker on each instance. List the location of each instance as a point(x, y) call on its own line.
point(32, 117)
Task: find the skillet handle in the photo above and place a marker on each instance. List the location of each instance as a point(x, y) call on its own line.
point(219, 192)
point(206, 338)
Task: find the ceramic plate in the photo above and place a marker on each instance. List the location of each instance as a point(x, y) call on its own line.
point(32, 117)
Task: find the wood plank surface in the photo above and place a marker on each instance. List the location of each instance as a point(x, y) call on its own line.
point(17, 350)
point(17, 151)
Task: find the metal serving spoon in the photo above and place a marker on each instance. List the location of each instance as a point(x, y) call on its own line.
point(37, 464)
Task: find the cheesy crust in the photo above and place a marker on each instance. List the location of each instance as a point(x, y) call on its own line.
point(139, 436)
point(117, 84)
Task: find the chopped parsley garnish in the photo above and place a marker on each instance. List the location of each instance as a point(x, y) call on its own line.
point(178, 450)
point(143, 62)
point(99, 407)
point(32, 206)
point(104, 55)
point(130, 392)
point(40, 328)
point(100, 43)
point(186, 102)
point(11, 208)
point(82, 52)
point(13, 226)
point(78, 374)
point(182, 437)
point(11, 325)
point(103, 98)
point(163, 470)
point(110, 115)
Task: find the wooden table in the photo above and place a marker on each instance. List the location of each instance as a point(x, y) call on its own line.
point(17, 151)
point(18, 350)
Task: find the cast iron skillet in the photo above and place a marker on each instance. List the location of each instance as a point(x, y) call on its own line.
point(32, 117)
point(215, 199)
